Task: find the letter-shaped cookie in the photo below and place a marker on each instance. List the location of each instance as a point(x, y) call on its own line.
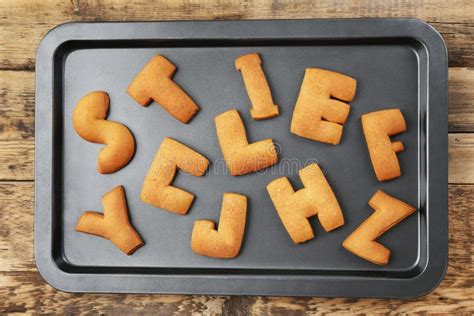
point(89, 122)
point(316, 116)
point(113, 224)
point(154, 82)
point(225, 242)
point(316, 198)
point(378, 127)
point(240, 156)
point(257, 87)
point(389, 211)
point(157, 189)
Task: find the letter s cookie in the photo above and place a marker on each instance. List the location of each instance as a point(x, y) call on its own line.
point(89, 122)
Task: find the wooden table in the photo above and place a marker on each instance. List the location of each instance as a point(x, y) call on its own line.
point(24, 23)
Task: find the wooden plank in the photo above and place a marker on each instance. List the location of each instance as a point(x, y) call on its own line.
point(25, 22)
point(17, 125)
point(27, 293)
point(23, 290)
point(17, 159)
point(17, 204)
point(461, 99)
point(461, 158)
point(459, 39)
point(17, 122)
point(17, 113)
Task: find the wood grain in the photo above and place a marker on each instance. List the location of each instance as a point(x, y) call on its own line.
point(459, 38)
point(17, 113)
point(22, 289)
point(26, 292)
point(17, 204)
point(25, 22)
point(461, 158)
point(22, 25)
point(17, 124)
point(461, 99)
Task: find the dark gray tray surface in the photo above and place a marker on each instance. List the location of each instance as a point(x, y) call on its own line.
point(390, 73)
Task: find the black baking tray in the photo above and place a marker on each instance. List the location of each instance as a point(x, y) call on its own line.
point(397, 62)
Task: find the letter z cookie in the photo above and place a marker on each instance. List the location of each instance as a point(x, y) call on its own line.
point(389, 211)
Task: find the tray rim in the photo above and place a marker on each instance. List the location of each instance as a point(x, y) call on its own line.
point(265, 284)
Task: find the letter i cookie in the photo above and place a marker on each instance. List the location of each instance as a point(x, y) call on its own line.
point(316, 116)
point(316, 198)
point(389, 211)
point(378, 127)
point(226, 240)
point(113, 224)
point(154, 82)
point(89, 122)
point(157, 189)
point(257, 87)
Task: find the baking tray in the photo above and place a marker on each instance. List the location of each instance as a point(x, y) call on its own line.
point(397, 62)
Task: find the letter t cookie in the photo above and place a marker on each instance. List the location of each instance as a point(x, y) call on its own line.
point(154, 82)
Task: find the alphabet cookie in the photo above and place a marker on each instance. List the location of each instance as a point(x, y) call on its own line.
point(378, 127)
point(226, 240)
point(157, 189)
point(316, 198)
point(316, 116)
point(154, 82)
point(89, 122)
point(257, 86)
point(240, 156)
point(389, 211)
point(113, 224)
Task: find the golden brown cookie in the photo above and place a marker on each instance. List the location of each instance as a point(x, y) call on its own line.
point(316, 116)
point(378, 127)
point(154, 82)
point(157, 189)
point(257, 87)
point(240, 156)
point(316, 198)
point(113, 224)
point(89, 122)
point(224, 242)
point(389, 211)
